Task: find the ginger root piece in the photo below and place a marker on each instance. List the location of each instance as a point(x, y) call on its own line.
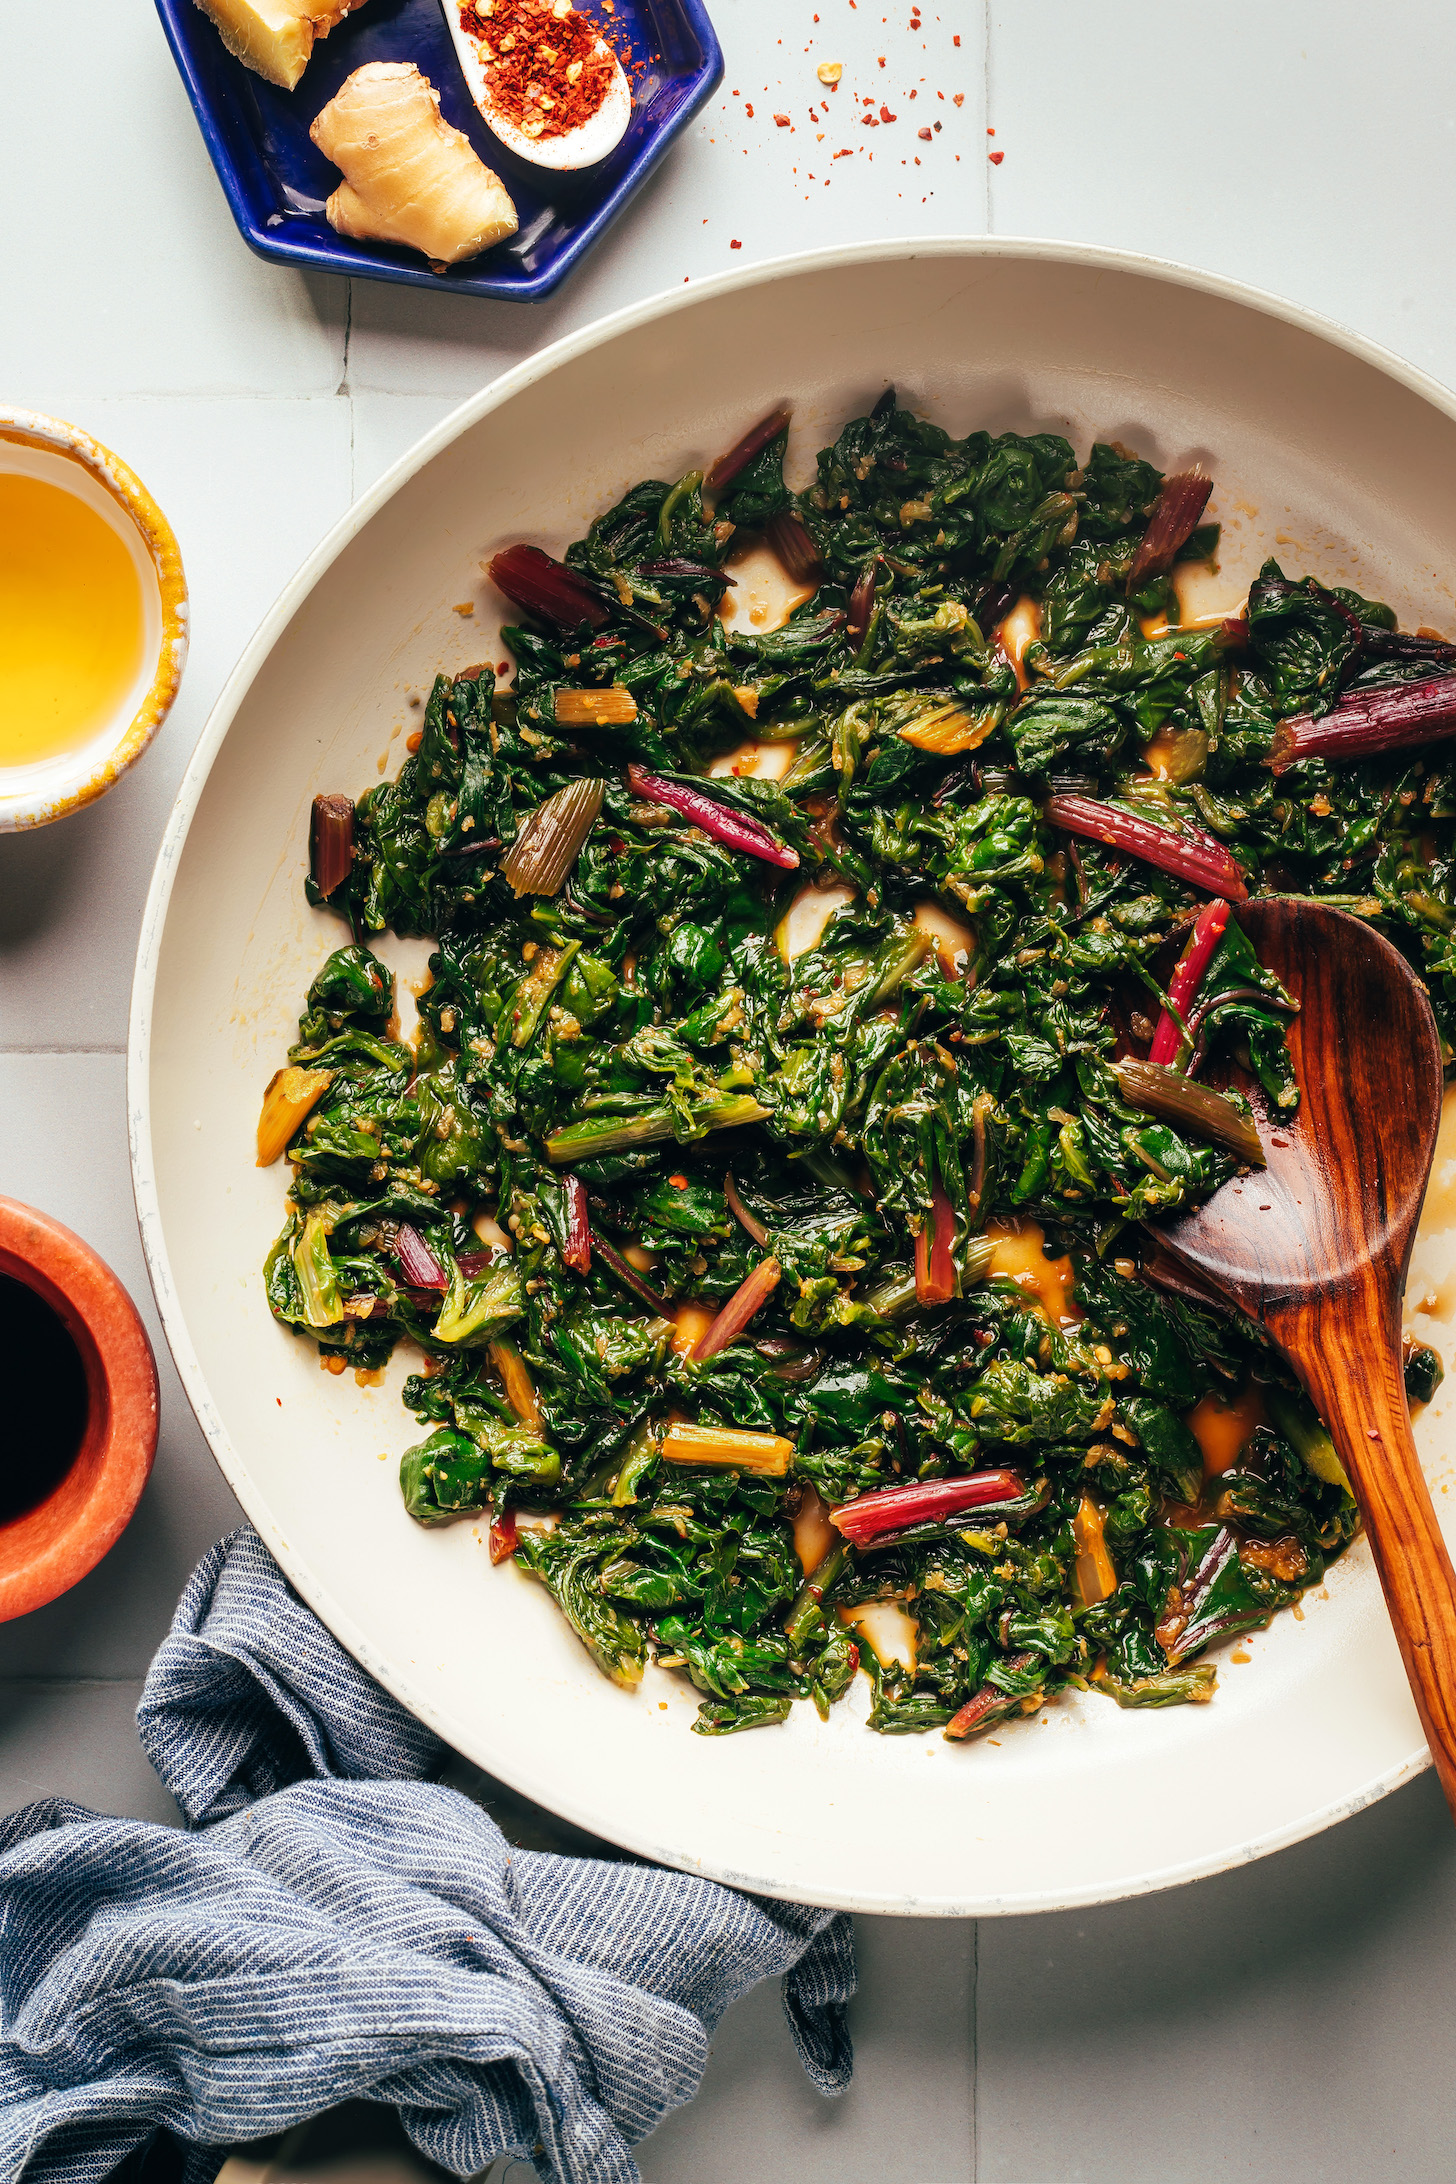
point(275, 37)
point(408, 176)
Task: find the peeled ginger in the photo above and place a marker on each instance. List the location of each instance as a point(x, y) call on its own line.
point(408, 176)
point(275, 37)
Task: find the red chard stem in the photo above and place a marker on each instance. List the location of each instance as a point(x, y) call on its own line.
point(788, 535)
point(896, 1508)
point(1186, 980)
point(741, 454)
point(546, 588)
point(1173, 522)
point(418, 1264)
point(1191, 855)
point(578, 1249)
point(1374, 721)
point(623, 1271)
point(747, 1298)
point(989, 1706)
point(331, 842)
point(735, 830)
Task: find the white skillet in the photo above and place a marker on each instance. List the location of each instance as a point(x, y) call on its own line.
point(1313, 434)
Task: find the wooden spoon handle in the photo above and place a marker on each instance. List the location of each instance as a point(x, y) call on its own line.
point(1352, 1371)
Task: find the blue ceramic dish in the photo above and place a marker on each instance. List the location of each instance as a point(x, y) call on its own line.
point(276, 180)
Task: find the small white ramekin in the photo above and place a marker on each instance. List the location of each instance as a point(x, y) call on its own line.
point(46, 447)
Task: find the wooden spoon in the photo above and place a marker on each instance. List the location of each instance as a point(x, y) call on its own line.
point(1316, 1249)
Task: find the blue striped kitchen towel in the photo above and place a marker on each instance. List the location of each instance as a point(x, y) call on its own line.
point(332, 1924)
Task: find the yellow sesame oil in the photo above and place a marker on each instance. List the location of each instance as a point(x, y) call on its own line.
point(72, 621)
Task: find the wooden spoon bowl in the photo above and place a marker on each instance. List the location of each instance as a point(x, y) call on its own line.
point(1317, 1246)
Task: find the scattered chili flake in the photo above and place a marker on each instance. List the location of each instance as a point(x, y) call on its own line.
point(886, 115)
point(925, 135)
point(781, 121)
point(829, 71)
point(678, 1182)
point(959, 98)
point(990, 132)
point(544, 85)
point(735, 246)
point(995, 158)
point(748, 110)
point(954, 41)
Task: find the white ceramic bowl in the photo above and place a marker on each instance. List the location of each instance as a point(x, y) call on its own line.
point(1325, 450)
point(60, 454)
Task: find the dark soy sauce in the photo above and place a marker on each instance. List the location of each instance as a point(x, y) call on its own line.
point(43, 1406)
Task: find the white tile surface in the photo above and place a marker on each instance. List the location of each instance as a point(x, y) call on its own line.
point(1282, 2024)
point(907, 2115)
point(120, 267)
point(736, 178)
point(249, 485)
point(79, 1741)
point(1290, 2023)
point(1309, 148)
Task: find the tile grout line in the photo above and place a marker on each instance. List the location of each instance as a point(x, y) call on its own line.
point(975, 2051)
point(986, 115)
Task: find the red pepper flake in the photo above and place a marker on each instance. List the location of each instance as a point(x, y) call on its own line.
point(870, 121)
point(959, 99)
point(545, 71)
point(886, 115)
point(925, 135)
point(678, 1182)
point(990, 132)
point(995, 158)
point(882, 60)
point(954, 41)
point(781, 121)
point(749, 111)
point(735, 246)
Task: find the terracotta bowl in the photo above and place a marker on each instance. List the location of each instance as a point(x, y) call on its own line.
point(51, 1547)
